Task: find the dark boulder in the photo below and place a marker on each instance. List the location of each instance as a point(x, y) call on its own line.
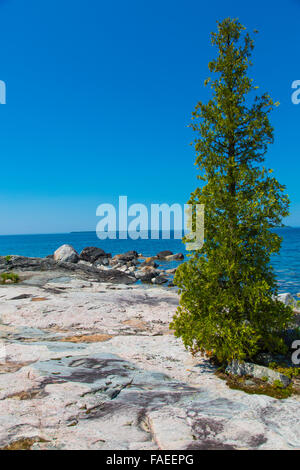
point(164, 254)
point(92, 254)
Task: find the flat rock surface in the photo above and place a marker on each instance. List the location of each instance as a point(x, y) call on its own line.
point(89, 365)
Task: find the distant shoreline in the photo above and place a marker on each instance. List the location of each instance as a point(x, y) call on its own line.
point(94, 231)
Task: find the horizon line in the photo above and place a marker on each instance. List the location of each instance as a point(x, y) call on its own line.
point(95, 231)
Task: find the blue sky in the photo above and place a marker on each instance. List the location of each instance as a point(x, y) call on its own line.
point(99, 96)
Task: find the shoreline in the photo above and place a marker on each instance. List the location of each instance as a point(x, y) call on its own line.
point(128, 267)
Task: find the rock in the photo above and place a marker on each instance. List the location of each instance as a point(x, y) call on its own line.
point(146, 274)
point(123, 268)
point(163, 254)
point(159, 280)
point(287, 299)
point(176, 257)
point(66, 254)
point(48, 266)
point(84, 263)
point(151, 262)
point(92, 254)
point(21, 297)
point(98, 368)
point(133, 263)
point(256, 371)
point(116, 263)
point(102, 267)
point(128, 256)
point(150, 259)
point(249, 383)
point(171, 271)
point(102, 262)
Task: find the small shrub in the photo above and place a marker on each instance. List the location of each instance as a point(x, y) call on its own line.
point(9, 276)
point(8, 258)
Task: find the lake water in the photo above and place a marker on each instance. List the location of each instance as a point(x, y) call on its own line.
point(286, 264)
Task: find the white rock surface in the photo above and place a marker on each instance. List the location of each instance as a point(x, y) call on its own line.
point(122, 381)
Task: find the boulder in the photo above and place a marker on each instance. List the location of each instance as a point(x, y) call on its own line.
point(149, 269)
point(151, 262)
point(258, 372)
point(287, 299)
point(163, 254)
point(128, 256)
point(146, 274)
point(176, 257)
point(66, 254)
point(92, 254)
point(159, 280)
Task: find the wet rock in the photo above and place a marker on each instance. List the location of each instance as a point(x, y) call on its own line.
point(176, 257)
point(66, 254)
point(164, 254)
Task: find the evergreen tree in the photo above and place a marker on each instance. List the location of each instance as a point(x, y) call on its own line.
point(228, 290)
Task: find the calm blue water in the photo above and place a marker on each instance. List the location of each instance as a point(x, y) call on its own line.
point(286, 264)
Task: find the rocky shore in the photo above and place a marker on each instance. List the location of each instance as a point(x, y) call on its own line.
point(88, 362)
point(94, 263)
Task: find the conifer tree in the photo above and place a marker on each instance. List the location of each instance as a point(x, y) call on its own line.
point(228, 289)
